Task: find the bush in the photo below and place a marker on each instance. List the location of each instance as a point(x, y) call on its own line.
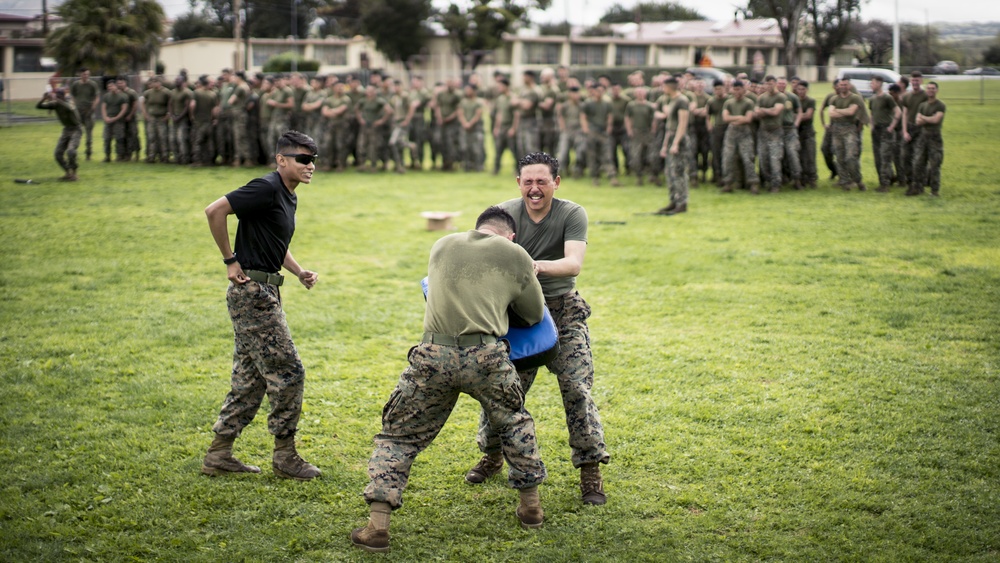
point(283, 63)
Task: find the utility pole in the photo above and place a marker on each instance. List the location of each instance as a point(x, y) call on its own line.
point(45, 18)
point(237, 31)
point(895, 41)
point(295, 36)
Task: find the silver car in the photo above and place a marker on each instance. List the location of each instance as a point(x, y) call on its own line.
point(861, 78)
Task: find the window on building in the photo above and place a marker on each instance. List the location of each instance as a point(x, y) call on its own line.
point(28, 59)
point(587, 55)
point(541, 53)
point(671, 50)
point(631, 55)
point(334, 55)
point(261, 53)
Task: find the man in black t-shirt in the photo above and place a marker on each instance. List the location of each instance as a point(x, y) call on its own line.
point(265, 358)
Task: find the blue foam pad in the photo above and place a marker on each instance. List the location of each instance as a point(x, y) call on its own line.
point(532, 346)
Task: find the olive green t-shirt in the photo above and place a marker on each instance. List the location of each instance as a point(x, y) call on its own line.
point(472, 278)
point(548, 93)
point(618, 106)
point(281, 96)
point(115, 101)
point(928, 109)
point(792, 105)
point(715, 105)
point(845, 103)
point(679, 104)
point(546, 239)
point(503, 111)
point(702, 101)
point(265, 110)
point(570, 113)
point(597, 112)
point(911, 102)
point(335, 102)
point(641, 115)
point(768, 101)
point(84, 94)
point(180, 99)
point(448, 102)
point(371, 109)
point(204, 102)
point(532, 96)
point(807, 122)
point(738, 108)
point(469, 107)
point(882, 107)
point(157, 102)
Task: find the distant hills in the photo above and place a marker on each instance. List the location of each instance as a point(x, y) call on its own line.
point(950, 31)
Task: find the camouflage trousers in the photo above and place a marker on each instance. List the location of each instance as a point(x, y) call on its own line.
point(370, 145)
point(639, 147)
point(618, 138)
point(451, 143)
point(527, 136)
point(574, 371)
point(241, 136)
point(548, 136)
point(223, 131)
point(791, 162)
point(599, 154)
point(657, 162)
point(157, 139)
point(418, 137)
point(738, 156)
point(132, 136)
point(202, 150)
point(702, 143)
point(928, 156)
point(115, 132)
point(826, 147)
point(422, 401)
point(69, 142)
point(677, 168)
point(718, 141)
point(472, 148)
point(399, 141)
point(573, 139)
point(336, 145)
point(847, 152)
point(87, 119)
point(264, 361)
point(501, 143)
point(907, 150)
point(883, 149)
point(691, 144)
point(807, 155)
point(180, 140)
point(772, 149)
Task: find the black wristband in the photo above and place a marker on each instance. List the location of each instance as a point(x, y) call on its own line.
point(231, 260)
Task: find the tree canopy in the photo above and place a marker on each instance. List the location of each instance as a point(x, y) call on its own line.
point(397, 27)
point(788, 13)
point(650, 12)
point(107, 36)
point(833, 22)
point(479, 30)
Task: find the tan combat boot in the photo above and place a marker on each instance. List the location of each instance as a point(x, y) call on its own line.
point(591, 484)
point(375, 536)
point(529, 511)
point(490, 465)
point(287, 464)
point(219, 460)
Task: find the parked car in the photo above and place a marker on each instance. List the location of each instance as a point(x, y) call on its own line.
point(946, 67)
point(983, 71)
point(861, 78)
point(709, 75)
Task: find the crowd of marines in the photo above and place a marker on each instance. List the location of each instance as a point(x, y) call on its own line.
point(749, 134)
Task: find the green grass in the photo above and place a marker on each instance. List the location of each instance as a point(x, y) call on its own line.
point(807, 376)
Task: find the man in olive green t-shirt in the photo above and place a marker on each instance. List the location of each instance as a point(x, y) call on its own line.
point(770, 106)
point(86, 94)
point(639, 127)
point(844, 110)
point(911, 131)
point(155, 109)
point(885, 121)
point(597, 121)
point(929, 152)
point(737, 146)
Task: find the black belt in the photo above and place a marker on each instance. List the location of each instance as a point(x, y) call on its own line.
point(265, 277)
point(460, 340)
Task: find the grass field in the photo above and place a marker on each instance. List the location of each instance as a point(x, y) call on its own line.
point(805, 376)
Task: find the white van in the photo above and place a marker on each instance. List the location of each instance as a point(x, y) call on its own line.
point(861, 78)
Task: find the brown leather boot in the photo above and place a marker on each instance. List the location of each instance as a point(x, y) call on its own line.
point(490, 465)
point(219, 459)
point(375, 536)
point(287, 464)
point(529, 510)
point(682, 208)
point(591, 484)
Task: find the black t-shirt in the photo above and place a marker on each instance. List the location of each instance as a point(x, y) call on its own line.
point(266, 210)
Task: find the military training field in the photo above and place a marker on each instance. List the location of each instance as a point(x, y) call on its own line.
point(802, 376)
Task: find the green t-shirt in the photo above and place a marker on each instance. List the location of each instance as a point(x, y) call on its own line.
point(839, 102)
point(546, 240)
point(242, 93)
point(84, 94)
point(702, 101)
point(532, 96)
point(911, 102)
point(641, 115)
point(180, 99)
point(738, 108)
point(549, 93)
point(335, 102)
point(597, 112)
point(114, 102)
point(618, 106)
point(400, 106)
point(469, 107)
point(882, 107)
point(157, 102)
point(472, 279)
point(715, 105)
point(679, 104)
point(264, 109)
point(204, 102)
point(570, 112)
point(372, 109)
point(928, 109)
point(768, 101)
point(65, 110)
point(225, 92)
point(792, 105)
point(281, 96)
point(448, 101)
point(807, 122)
point(503, 111)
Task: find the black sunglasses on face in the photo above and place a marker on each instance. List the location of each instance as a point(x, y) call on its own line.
point(304, 159)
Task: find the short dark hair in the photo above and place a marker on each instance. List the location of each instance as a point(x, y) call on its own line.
point(877, 77)
point(670, 81)
point(804, 84)
point(203, 80)
point(769, 78)
point(905, 81)
point(531, 73)
point(934, 83)
point(893, 88)
point(737, 84)
point(916, 74)
point(498, 218)
point(718, 83)
point(539, 158)
point(295, 140)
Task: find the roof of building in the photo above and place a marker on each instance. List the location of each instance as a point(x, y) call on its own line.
point(699, 29)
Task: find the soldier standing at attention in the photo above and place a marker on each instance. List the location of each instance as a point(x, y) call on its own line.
point(114, 108)
point(570, 132)
point(790, 119)
point(372, 112)
point(929, 152)
point(69, 139)
point(403, 108)
point(844, 108)
point(807, 135)
point(473, 278)
point(312, 115)
point(337, 112)
point(446, 112)
point(548, 129)
point(911, 131)
point(826, 145)
point(554, 233)
point(639, 127)
point(203, 111)
point(737, 147)
point(470, 117)
point(503, 124)
point(180, 121)
point(282, 101)
point(675, 148)
point(131, 125)
point(86, 96)
point(770, 106)
point(702, 139)
point(716, 128)
point(597, 121)
point(885, 118)
point(418, 125)
point(265, 359)
point(238, 118)
point(526, 120)
point(155, 110)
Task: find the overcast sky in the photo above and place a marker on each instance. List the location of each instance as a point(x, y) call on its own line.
point(587, 12)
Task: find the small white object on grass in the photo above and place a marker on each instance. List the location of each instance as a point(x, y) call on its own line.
point(440, 220)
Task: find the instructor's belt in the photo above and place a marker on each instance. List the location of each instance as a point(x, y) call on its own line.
point(265, 277)
point(461, 340)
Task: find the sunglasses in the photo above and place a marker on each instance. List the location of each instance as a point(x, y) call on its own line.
point(304, 159)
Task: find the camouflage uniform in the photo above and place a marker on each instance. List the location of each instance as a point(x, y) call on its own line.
point(847, 152)
point(180, 125)
point(264, 361)
point(527, 126)
point(69, 139)
point(790, 135)
point(548, 129)
point(641, 116)
point(238, 118)
point(131, 125)
point(451, 131)
point(574, 371)
point(676, 169)
point(224, 125)
point(115, 131)
point(807, 144)
point(157, 125)
point(737, 152)
point(928, 154)
point(84, 94)
point(572, 137)
point(418, 128)
point(205, 101)
point(424, 398)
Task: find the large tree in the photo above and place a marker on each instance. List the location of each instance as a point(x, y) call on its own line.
point(832, 22)
point(479, 30)
point(875, 38)
point(106, 36)
point(650, 12)
point(264, 18)
point(789, 14)
point(397, 27)
point(343, 17)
